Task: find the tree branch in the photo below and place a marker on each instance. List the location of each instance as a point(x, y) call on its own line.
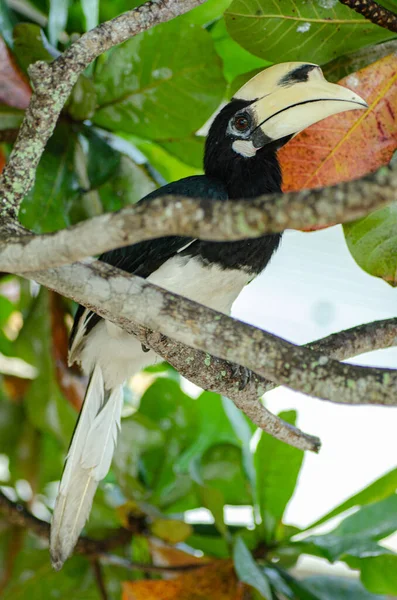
point(374, 12)
point(126, 299)
point(199, 218)
point(53, 83)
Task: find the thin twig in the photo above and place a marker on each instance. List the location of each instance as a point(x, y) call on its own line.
point(100, 581)
point(374, 12)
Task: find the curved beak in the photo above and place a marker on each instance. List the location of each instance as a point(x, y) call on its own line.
point(289, 97)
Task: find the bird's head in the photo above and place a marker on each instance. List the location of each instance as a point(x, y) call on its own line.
point(270, 109)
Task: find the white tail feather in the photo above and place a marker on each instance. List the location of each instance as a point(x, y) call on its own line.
point(88, 461)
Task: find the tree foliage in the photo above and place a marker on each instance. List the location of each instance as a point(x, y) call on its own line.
point(129, 126)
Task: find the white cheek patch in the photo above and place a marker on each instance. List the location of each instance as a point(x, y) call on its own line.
point(244, 147)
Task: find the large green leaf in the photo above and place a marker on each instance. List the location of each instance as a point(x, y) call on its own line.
point(236, 60)
point(47, 206)
point(379, 574)
point(6, 23)
point(213, 427)
point(248, 571)
point(30, 45)
point(277, 468)
point(221, 468)
point(149, 86)
point(10, 117)
point(206, 13)
point(315, 31)
point(372, 241)
point(170, 167)
point(175, 413)
point(33, 577)
point(138, 435)
point(378, 490)
point(357, 534)
point(244, 430)
point(338, 588)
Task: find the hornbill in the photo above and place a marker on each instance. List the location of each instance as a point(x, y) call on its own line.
point(240, 161)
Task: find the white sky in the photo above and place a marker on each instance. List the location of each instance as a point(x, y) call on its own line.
point(313, 288)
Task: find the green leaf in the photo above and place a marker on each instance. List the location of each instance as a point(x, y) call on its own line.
point(286, 30)
point(91, 13)
point(47, 207)
point(372, 242)
point(146, 436)
point(189, 150)
point(277, 468)
point(33, 577)
point(57, 19)
point(175, 413)
point(206, 13)
point(358, 532)
point(221, 468)
point(82, 101)
point(378, 490)
point(214, 500)
point(168, 165)
point(150, 88)
point(210, 545)
point(375, 521)
point(128, 185)
point(244, 430)
point(289, 587)
point(235, 59)
point(338, 588)
point(171, 531)
point(10, 118)
point(213, 427)
point(119, 181)
point(248, 571)
point(6, 23)
point(11, 418)
point(379, 574)
point(31, 45)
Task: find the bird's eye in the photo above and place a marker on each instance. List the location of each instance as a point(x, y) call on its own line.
point(241, 123)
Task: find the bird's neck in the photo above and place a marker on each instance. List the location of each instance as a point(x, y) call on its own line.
point(246, 177)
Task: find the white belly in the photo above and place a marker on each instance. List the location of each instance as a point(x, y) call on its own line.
point(120, 355)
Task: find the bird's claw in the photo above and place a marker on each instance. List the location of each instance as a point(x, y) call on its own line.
point(243, 375)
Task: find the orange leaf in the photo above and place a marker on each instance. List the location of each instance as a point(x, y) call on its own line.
point(2, 160)
point(348, 145)
point(216, 581)
point(14, 87)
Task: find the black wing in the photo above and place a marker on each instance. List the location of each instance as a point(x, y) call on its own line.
point(146, 257)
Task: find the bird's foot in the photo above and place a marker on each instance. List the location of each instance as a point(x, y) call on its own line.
point(243, 375)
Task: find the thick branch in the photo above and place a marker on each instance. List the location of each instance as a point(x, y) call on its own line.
point(53, 83)
point(201, 218)
point(217, 375)
point(126, 299)
point(374, 12)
